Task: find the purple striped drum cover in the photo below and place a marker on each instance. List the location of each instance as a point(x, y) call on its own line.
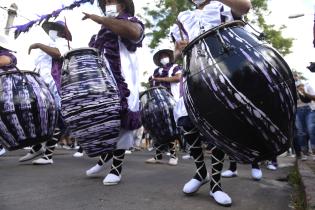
point(240, 93)
point(157, 114)
point(28, 111)
point(90, 102)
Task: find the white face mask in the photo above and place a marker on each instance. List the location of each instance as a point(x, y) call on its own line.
point(165, 61)
point(53, 34)
point(199, 2)
point(111, 11)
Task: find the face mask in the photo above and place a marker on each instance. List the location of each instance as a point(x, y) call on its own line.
point(165, 61)
point(53, 34)
point(111, 11)
point(199, 2)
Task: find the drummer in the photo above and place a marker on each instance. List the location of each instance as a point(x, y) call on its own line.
point(48, 64)
point(168, 75)
point(120, 35)
point(207, 15)
point(7, 61)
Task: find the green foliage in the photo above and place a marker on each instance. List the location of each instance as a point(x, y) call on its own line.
point(164, 14)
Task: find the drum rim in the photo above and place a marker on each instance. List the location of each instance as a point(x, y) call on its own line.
point(193, 42)
point(67, 54)
point(19, 72)
point(157, 87)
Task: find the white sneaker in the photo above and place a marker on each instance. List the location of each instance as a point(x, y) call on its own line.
point(186, 157)
point(94, 170)
point(256, 174)
point(221, 198)
point(111, 179)
point(2, 151)
point(229, 174)
point(271, 167)
point(30, 156)
point(78, 154)
point(168, 154)
point(128, 152)
point(303, 157)
point(150, 149)
point(42, 161)
point(153, 161)
point(193, 185)
point(173, 161)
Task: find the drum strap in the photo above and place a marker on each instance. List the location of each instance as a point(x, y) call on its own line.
point(182, 30)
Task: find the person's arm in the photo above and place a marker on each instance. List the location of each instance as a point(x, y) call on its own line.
point(123, 28)
point(179, 47)
point(303, 92)
point(314, 34)
point(52, 51)
point(173, 79)
point(238, 7)
point(5, 60)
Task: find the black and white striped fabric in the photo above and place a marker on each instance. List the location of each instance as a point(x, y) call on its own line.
point(90, 101)
point(27, 110)
point(240, 93)
point(157, 114)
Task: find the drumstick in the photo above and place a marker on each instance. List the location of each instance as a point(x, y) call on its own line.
point(180, 30)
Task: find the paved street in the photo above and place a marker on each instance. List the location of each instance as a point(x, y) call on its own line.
point(64, 186)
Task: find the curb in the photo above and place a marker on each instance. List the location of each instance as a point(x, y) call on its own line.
point(308, 181)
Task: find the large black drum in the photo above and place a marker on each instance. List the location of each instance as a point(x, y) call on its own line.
point(90, 102)
point(157, 114)
point(240, 93)
point(27, 109)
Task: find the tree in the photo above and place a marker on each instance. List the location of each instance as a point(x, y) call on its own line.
point(163, 16)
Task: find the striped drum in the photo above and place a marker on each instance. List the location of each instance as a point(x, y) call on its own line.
point(27, 110)
point(90, 103)
point(240, 93)
point(157, 114)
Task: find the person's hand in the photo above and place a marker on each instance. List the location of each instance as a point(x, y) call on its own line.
point(87, 16)
point(33, 46)
point(180, 45)
point(301, 89)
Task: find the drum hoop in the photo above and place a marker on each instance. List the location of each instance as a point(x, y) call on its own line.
point(158, 87)
point(19, 72)
point(212, 30)
point(69, 53)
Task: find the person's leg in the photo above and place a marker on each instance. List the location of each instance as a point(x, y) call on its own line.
point(192, 137)
point(100, 164)
point(173, 158)
point(311, 130)
point(232, 171)
point(35, 151)
point(256, 171)
point(301, 129)
point(158, 154)
point(217, 159)
point(114, 175)
point(2, 150)
point(79, 152)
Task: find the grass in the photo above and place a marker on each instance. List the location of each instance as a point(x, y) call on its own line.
point(298, 198)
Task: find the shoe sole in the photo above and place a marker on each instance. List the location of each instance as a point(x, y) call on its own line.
point(233, 176)
point(42, 163)
point(192, 193)
point(31, 158)
point(221, 204)
point(110, 183)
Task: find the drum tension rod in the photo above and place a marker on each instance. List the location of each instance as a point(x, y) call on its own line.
point(226, 47)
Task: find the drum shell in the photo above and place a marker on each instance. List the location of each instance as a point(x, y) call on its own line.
point(28, 110)
point(90, 101)
point(157, 114)
point(243, 99)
